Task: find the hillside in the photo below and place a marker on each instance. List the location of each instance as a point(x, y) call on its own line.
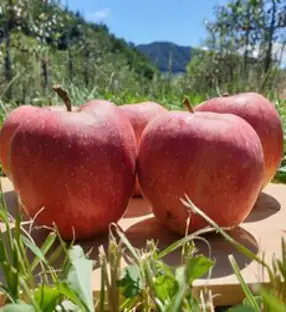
point(160, 53)
point(45, 43)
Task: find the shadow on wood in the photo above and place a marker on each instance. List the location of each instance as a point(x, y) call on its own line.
point(265, 206)
point(151, 229)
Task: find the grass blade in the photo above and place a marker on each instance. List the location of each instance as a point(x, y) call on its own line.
point(250, 297)
point(48, 243)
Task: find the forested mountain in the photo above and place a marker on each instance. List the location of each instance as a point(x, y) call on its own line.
point(167, 55)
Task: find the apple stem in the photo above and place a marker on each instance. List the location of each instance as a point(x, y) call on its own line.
point(188, 105)
point(64, 96)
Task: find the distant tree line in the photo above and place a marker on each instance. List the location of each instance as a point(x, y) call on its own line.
point(246, 42)
point(58, 29)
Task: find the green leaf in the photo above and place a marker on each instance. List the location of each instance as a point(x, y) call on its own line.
point(180, 275)
point(34, 248)
point(131, 281)
point(3, 252)
point(76, 252)
point(272, 302)
point(79, 276)
point(166, 287)
point(195, 304)
point(197, 266)
point(176, 304)
point(69, 294)
point(282, 169)
point(47, 297)
point(242, 308)
point(18, 307)
point(48, 243)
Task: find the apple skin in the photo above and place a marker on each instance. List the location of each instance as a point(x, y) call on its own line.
point(11, 123)
point(261, 114)
point(96, 103)
point(60, 108)
point(140, 114)
point(216, 159)
point(79, 166)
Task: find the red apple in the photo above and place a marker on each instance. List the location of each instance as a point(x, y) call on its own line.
point(78, 166)
point(11, 123)
point(261, 114)
point(140, 114)
point(13, 120)
point(216, 159)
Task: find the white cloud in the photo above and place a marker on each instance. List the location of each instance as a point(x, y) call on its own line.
point(99, 15)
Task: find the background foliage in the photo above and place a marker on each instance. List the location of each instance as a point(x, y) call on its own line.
point(42, 42)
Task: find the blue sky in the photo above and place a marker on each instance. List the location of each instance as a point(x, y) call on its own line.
point(181, 21)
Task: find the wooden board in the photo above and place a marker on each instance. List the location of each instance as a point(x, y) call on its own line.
point(261, 232)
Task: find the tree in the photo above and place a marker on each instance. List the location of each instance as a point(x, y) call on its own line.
point(249, 25)
point(251, 30)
